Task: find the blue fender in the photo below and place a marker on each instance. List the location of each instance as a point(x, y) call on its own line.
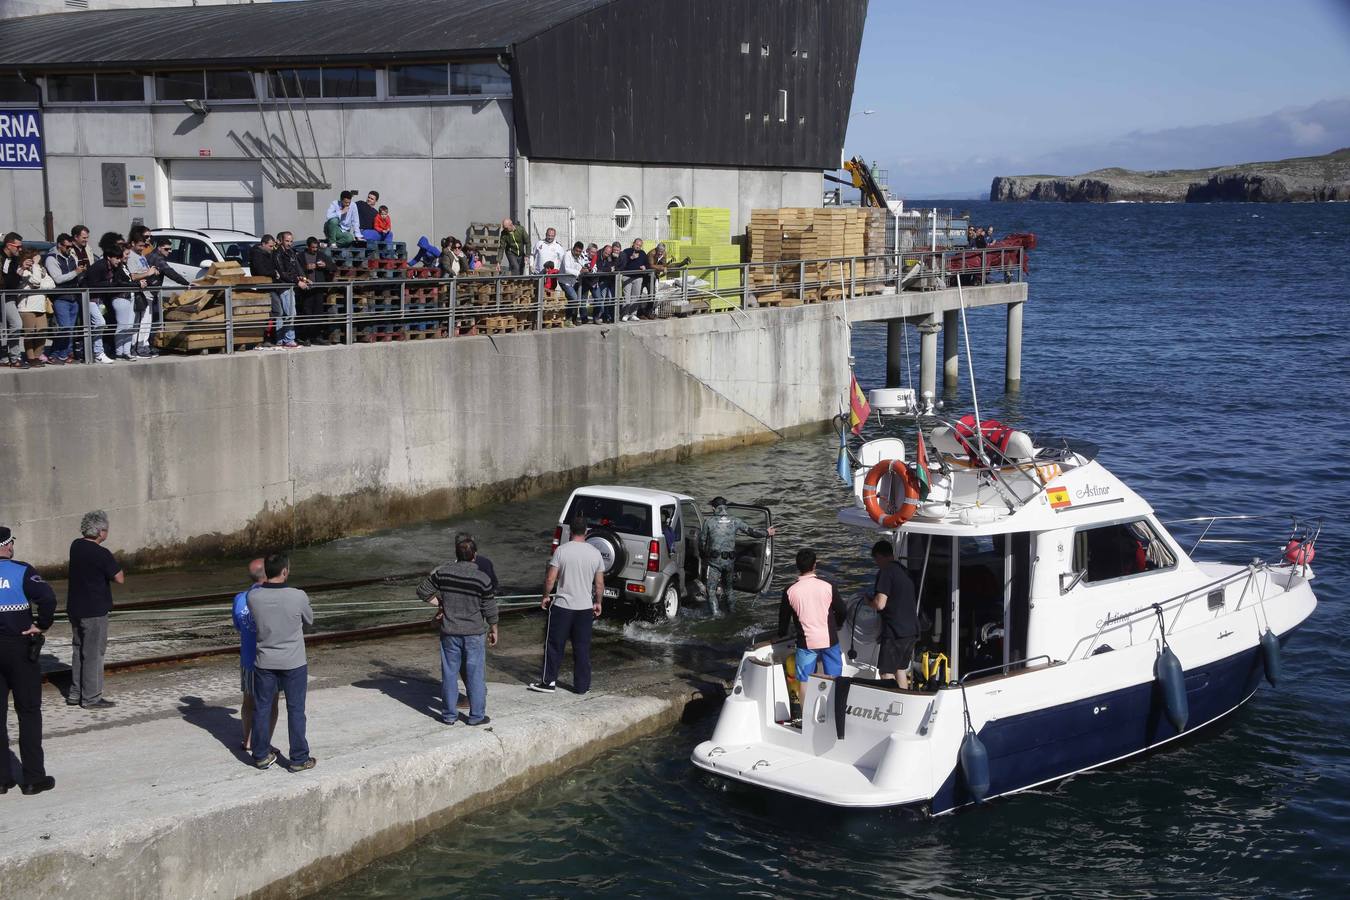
point(1270, 656)
point(975, 766)
point(1172, 680)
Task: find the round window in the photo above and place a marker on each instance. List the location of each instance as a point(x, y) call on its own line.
point(623, 213)
point(675, 203)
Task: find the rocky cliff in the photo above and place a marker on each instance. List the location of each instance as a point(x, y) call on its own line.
point(1309, 178)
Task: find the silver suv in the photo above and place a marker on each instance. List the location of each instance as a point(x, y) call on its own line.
point(649, 541)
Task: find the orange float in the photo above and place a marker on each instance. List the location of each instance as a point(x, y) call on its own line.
point(871, 497)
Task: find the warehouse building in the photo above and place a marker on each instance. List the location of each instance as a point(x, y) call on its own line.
point(594, 116)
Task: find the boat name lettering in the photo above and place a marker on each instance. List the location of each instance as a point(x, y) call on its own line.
point(875, 713)
point(1113, 618)
point(1091, 490)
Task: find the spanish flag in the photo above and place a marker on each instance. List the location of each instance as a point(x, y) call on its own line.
point(858, 408)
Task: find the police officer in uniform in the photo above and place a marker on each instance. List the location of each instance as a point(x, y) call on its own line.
point(27, 606)
point(717, 541)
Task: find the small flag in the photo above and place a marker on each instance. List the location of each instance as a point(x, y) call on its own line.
point(841, 466)
point(858, 408)
point(921, 468)
point(1058, 497)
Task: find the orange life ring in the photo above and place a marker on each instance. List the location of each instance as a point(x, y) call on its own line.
point(872, 499)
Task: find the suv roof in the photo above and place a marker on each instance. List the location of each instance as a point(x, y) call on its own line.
point(620, 492)
point(211, 234)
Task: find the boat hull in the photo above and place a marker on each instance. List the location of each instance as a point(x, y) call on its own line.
point(1054, 743)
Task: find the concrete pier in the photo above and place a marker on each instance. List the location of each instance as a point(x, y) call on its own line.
point(155, 799)
point(928, 335)
point(220, 455)
point(895, 352)
point(1012, 367)
point(951, 343)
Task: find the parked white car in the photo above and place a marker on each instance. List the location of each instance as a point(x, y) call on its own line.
point(649, 542)
point(193, 251)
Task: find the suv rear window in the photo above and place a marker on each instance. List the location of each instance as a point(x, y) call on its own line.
point(621, 515)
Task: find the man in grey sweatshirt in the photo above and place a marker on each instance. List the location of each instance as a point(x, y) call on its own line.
point(280, 614)
point(468, 620)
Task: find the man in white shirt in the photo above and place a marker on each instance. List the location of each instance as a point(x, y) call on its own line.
point(342, 223)
point(578, 572)
point(548, 251)
point(573, 266)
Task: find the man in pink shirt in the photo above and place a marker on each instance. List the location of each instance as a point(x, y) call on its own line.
point(813, 605)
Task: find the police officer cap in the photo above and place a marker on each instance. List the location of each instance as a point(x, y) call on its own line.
point(717, 501)
point(5, 535)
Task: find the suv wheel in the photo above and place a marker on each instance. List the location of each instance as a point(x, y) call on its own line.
point(670, 602)
point(611, 548)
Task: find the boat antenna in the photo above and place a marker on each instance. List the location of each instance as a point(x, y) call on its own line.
point(970, 368)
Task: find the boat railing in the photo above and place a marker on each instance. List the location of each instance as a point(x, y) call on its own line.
point(1175, 604)
point(1006, 667)
point(1305, 531)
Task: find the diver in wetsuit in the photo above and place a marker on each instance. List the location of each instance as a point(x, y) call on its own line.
point(717, 542)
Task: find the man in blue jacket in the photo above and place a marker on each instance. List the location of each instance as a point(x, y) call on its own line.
point(27, 607)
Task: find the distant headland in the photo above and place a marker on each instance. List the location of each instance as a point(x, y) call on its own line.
point(1307, 178)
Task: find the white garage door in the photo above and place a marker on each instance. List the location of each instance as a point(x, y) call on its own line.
point(216, 193)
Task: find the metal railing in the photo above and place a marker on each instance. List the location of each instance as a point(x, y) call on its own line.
point(419, 304)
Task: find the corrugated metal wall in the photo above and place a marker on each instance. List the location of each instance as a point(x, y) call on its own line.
point(693, 82)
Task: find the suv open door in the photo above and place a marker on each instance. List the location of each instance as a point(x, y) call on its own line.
point(754, 556)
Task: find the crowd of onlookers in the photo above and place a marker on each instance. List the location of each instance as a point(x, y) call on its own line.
point(42, 289)
point(42, 296)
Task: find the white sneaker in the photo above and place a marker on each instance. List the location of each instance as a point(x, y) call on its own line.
point(102, 359)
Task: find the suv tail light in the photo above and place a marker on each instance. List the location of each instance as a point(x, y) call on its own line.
point(654, 556)
point(557, 539)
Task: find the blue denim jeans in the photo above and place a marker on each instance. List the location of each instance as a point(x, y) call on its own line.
point(472, 649)
point(283, 315)
point(67, 316)
point(292, 683)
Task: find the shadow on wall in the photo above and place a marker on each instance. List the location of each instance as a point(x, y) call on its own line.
point(281, 166)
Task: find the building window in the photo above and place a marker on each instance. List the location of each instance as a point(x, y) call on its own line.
point(675, 203)
point(418, 81)
point(623, 213)
point(294, 84)
point(782, 106)
point(745, 47)
point(12, 87)
point(179, 86)
point(229, 84)
point(479, 78)
point(120, 87)
point(344, 82)
point(70, 88)
point(763, 49)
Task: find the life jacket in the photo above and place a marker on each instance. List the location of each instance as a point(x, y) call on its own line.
point(995, 433)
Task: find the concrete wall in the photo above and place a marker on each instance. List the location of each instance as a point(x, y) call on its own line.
point(437, 165)
point(230, 453)
point(591, 190)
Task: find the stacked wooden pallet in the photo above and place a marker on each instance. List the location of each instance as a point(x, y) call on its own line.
point(488, 239)
point(194, 320)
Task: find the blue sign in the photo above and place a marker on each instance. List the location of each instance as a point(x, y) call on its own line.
point(20, 139)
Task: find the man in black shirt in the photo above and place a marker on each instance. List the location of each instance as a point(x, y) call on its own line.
point(27, 605)
point(88, 602)
point(895, 600)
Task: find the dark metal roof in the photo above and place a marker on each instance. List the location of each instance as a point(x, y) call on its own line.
point(311, 31)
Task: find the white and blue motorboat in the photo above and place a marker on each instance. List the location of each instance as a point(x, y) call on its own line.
point(1064, 628)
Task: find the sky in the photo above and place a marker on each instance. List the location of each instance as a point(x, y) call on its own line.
point(963, 92)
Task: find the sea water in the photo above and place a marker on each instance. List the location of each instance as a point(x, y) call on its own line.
point(1205, 349)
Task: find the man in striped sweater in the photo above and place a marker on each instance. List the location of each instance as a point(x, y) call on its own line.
point(468, 620)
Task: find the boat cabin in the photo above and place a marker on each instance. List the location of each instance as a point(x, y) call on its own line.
point(1013, 563)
